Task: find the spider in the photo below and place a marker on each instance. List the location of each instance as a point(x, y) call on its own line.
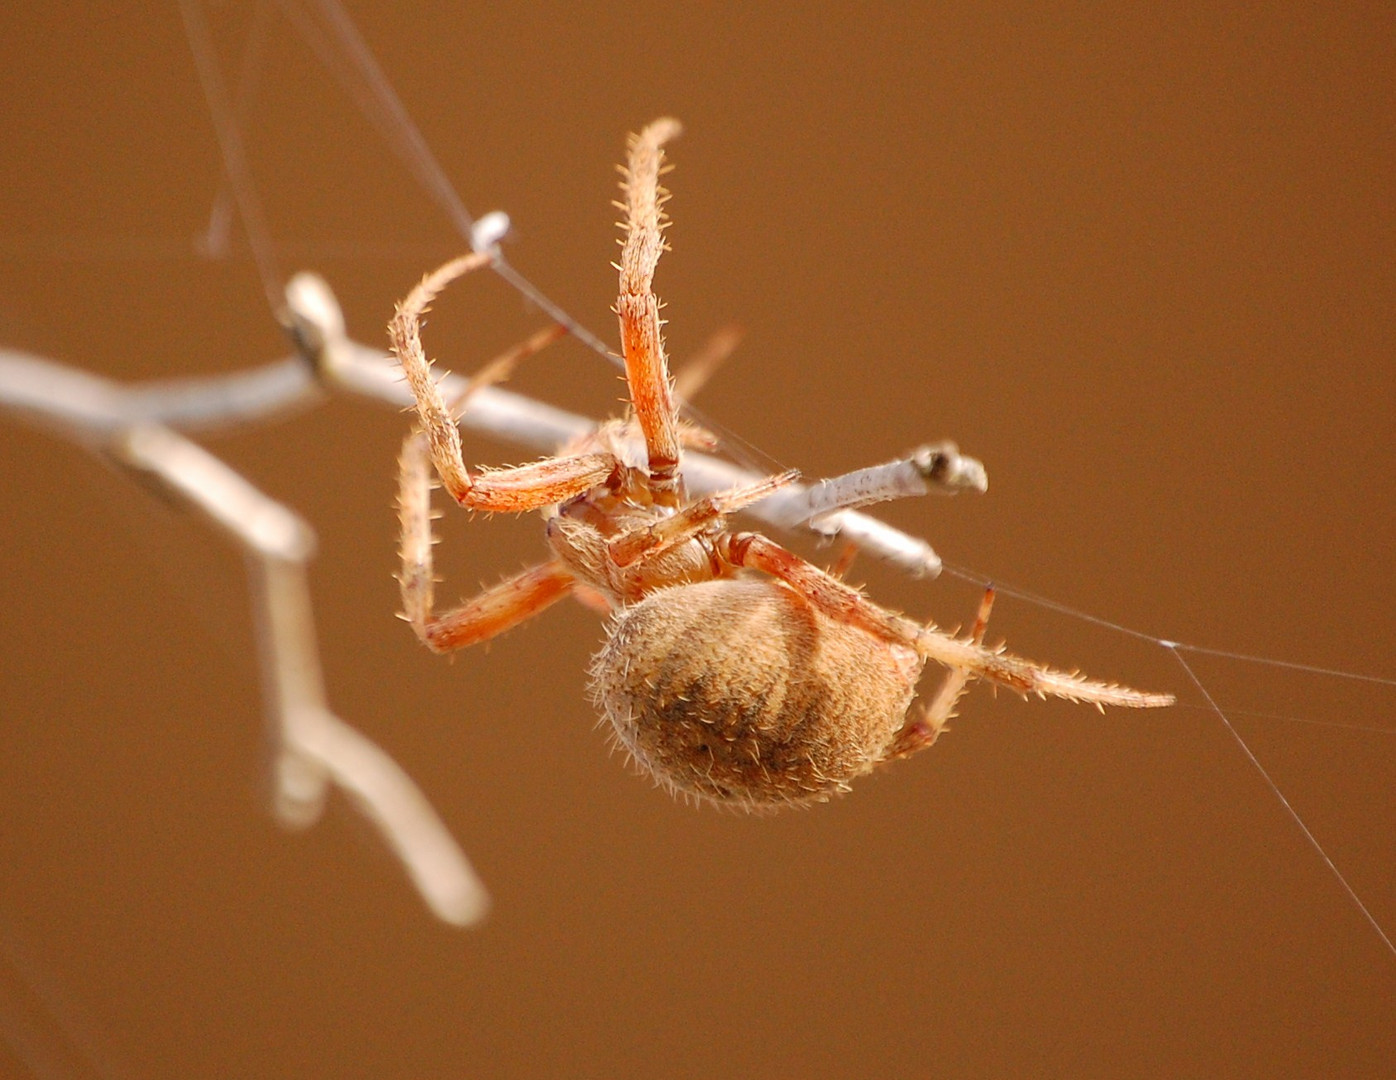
point(733, 671)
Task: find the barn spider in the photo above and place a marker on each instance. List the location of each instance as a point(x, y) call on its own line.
point(733, 670)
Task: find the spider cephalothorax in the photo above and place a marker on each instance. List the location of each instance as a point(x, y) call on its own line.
point(733, 670)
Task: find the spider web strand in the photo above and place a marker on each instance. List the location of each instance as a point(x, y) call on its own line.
point(341, 48)
point(1038, 600)
point(234, 153)
point(1313, 841)
point(343, 51)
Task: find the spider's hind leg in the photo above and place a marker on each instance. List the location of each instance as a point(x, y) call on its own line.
point(848, 605)
point(932, 717)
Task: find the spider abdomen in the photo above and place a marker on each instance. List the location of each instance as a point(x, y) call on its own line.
point(741, 693)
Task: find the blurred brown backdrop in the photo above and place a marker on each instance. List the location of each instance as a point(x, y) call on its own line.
point(1142, 265)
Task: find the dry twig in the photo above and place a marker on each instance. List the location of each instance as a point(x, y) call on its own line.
point(140, 428)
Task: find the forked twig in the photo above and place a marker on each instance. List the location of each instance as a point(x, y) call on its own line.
point(313, 748)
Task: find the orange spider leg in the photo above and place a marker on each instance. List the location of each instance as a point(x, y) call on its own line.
point(494, 610)
point(847, 554)
point(642, 345)
point(593, 599)
point(502, 366)
point(488, 614)
point(846, 604)
point(932, 717)
point(645, 541)
point(515, 490)
point(699, 368)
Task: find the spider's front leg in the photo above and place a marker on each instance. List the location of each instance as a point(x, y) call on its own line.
point(648, 541)
point(515, 490)
point(646, 369)
point(494, 610)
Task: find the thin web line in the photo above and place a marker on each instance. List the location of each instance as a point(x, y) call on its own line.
point(1177, 649)
point(1352, 895)
point(1373, 729)
point(1037, 599)
point(344, 53)
point(68, 1035)
point(234, 153)
point(341, 49)
point(222, 215)
point(976, 578)
point(1270, 662)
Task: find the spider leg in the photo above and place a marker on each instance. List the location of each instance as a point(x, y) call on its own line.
point(593, 599)
point(932, 717)
point(847, 554)
point(699, 368)
point(502, 366)
point(642, 345)
point(646, 541)
point(515, 490)
point(490, 613)
point(846, 604)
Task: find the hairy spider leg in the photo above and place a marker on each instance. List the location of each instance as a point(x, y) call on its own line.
point(931, 718)
point(502, 366)
point(846, 604)
point(492, 611)
point(642, 345)
point(646, 541)
point(512, 490)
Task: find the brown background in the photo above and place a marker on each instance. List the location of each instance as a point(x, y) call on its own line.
point(1142, 265)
